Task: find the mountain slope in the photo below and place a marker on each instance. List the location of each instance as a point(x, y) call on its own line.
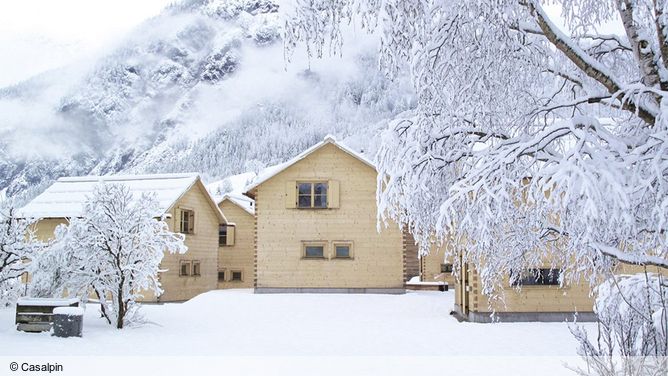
point(202, 87)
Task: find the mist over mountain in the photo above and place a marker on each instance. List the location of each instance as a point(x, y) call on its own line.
point(202, 87)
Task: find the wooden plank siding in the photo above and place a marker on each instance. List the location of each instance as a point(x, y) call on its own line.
point(378, 260)
point(574, 297)
point(241, 255)
point(411, 256)
point(202, 246)
point(45, 228)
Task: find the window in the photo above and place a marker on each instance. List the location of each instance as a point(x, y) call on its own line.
point(314, 250)
point(312, 195)
point(225, 235)
point(343, 250)
point(184, 269)
point(221, 276)
point(187, 222)
point(196, 268)
point(236, 276)
point(446, 268)
point(222, 235)
point(538, 277)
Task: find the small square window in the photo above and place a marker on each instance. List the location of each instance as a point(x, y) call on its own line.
point(314, 251)
point(342, 251)
point(446, 268)
point(221, 276)
point(196, 268)
point(236, 276)
point(184, 269)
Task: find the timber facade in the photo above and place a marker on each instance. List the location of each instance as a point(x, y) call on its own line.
point(315, 227)
point(310, 225)
point(236, 247)
point(186, 207)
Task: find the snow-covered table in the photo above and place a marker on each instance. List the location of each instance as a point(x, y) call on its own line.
point(36, 314)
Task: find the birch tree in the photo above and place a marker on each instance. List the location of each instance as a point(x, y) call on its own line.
point(530, 141)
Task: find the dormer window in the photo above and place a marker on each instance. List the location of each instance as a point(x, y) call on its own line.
point(312, 195)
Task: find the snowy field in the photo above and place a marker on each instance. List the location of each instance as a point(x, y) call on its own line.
point(233, 323)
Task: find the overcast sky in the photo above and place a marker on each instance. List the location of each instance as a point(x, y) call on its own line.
point(37, 35)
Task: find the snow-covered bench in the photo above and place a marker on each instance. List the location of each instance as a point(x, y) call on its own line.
point(36, 314)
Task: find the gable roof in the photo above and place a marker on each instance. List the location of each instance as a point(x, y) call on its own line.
point(66, 197)
point(233, 188)
point(244, 202)
point(272, 171)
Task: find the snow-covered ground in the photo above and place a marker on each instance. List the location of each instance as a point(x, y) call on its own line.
point(240, 323)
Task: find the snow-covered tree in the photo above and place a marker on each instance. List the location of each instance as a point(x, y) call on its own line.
point(512, 109)
point(536, 136)
point(113, 250)
point(18, 247)
point(632, 328)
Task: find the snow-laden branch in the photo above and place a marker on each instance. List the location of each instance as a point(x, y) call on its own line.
point(528, 145)
point(584, 62)
point(631, 258)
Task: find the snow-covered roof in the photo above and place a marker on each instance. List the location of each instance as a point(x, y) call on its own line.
point(272, 171)
point(66, 197)
point(232, 188)
point(244, 202)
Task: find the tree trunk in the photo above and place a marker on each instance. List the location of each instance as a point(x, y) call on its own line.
point(121, 306)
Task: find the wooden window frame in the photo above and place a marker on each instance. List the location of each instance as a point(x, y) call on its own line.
point(349, 244)
point(224, 244)
point(229, 235)
point(241, 278)
point(312, 194)
point(539, 277)
point(446, 267)
point(190, 222)
point(181, 264)
point(199, 268)
point(314, 243)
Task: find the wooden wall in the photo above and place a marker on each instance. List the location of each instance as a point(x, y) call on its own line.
point(573, 297)
point(377, 257)
point(430, 267)
point(202, 246)
point(240, 256)
point(411, 256)
point(44, 228)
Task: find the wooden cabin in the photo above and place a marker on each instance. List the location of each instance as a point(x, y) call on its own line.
point(184, 201)
point(540, 299)
point(316, 227)
point(236, 248)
